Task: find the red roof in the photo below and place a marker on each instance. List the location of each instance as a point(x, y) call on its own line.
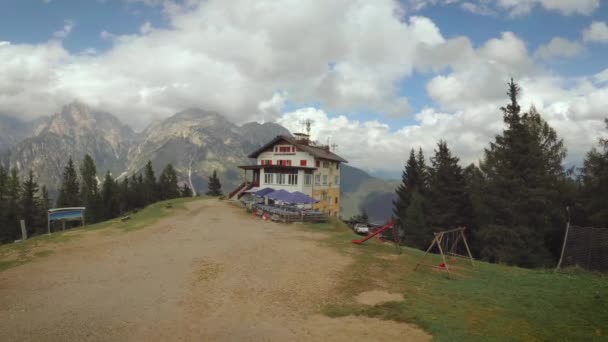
point(317, 151)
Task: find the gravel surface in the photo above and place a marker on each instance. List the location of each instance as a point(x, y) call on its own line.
point(209, 274)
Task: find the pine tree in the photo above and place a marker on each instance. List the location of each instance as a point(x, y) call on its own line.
point(361, 217)
point(45, 205)
point(186, 191)
point(110, 197)
point(89, 190)
point(150, 189)
point(523, 174)
point(594, 185)
point(124, 190)
point(448, 202)
point(4, 230)
point(69, 193)
point(423, 171)
point(13, 212)
point(417, 233)
point(167, 183)
point(30, 204)
point(214, 185)
point(140, 195)
point(413, 180)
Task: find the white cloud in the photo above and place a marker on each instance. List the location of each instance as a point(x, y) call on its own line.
point(602, 76)
point(576, 114)
point(559, 47)
point(513, 7)
point(232, 55)
point(105, 35)
point(480, 8)
point(596, 32)
point(247, 59)
point(585, 7)
point(565, 7)
point(65, 31)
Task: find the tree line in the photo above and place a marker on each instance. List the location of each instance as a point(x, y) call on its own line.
point(26, 200)
point(515, 203)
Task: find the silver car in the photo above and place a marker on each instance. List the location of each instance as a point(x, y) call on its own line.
point(361, 228)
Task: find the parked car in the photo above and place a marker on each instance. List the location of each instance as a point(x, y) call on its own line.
point(361, 228)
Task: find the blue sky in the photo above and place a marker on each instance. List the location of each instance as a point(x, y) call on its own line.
point(157, 57)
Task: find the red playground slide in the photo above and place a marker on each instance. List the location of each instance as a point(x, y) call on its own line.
point(389, 225)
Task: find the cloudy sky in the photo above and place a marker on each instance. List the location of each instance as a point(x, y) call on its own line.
point(377, 77)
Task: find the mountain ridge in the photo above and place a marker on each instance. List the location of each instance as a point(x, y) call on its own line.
point(195, 141)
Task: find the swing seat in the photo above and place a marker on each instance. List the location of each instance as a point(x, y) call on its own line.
point(442, 265)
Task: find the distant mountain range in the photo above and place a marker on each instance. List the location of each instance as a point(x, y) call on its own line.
point(195, 141)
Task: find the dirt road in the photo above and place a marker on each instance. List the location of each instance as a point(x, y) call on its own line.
point(209, 274)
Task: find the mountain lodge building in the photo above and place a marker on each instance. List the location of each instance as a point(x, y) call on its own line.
point(296, 164)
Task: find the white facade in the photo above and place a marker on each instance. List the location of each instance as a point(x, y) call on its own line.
point(309, 177)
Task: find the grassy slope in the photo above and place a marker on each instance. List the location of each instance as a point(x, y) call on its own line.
point(16, 254)
point(487, 302)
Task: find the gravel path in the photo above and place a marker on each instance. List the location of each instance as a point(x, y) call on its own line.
point(209, 274)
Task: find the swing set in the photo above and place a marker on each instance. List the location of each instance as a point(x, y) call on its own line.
point(447, 243)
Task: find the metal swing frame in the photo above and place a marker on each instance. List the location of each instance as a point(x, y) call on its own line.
point(438, 240)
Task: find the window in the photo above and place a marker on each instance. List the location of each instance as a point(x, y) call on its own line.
point(284, 162)
point(324, 179)
point(280, 178)
point(302, 162)
point(337, 180)
point(317, 179)
point(337, 166)
point(284, 149)
point(308, 179)
point(266, 162)
point(325, 164)
point(268, 179)
point(318, 163)
point(336, 200)
point(292, 179)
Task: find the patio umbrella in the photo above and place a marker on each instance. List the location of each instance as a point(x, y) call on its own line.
point(263, 192)
point(279, 195)
point(297, 197)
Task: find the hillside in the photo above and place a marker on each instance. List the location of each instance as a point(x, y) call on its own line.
point(166, 268)
point(360, 190)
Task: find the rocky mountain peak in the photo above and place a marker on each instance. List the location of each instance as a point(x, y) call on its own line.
point(73, 118)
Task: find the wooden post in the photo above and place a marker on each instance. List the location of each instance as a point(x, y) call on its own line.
point(23, 230)
point(439, 239)
point(466, 245)
point(561, 256)
point(427, 252)
point(48, 223)
point(445, 262)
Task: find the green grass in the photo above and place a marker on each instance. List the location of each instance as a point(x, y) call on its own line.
point(487, 302)
point(16, 254)
point(151, 214)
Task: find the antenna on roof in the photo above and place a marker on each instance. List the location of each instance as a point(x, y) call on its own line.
point(333, 147)
point(307, 123)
